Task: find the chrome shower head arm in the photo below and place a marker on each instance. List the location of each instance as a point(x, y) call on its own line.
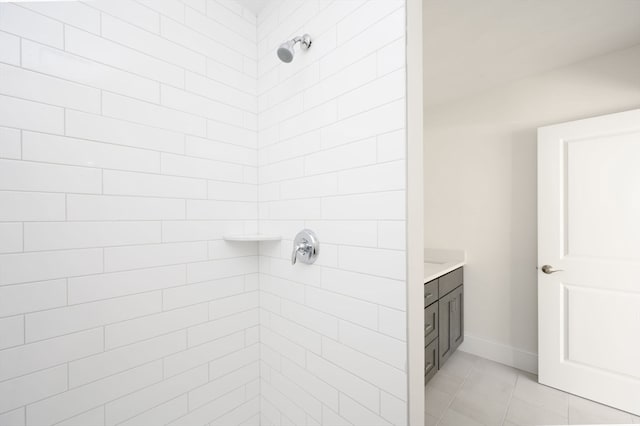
point(304, 40)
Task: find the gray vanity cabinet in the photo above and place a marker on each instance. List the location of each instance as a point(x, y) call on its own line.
point(443, 320)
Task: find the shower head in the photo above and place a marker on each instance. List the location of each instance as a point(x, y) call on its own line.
point(286, 50)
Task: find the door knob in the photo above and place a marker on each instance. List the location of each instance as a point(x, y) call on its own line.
point(548, 269)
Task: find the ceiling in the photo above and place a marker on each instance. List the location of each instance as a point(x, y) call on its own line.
point(253, 5)
point(471, 46)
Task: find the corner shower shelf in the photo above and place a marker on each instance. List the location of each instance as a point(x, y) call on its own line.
point(252, 237)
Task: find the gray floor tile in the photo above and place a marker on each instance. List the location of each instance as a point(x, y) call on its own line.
point(452, 417)
point(498, 372)
point(480, 407)
point(491, 386)
point(529, 390)
point(526, 414)
point(583, 411)
point(436, 401)
point(459, 364)
point(430, 420)
point(446, 383)
point(473, 391)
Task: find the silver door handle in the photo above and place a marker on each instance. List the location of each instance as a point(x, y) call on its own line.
point(548, 269)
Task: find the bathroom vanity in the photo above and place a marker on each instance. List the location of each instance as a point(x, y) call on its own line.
point(443, 312)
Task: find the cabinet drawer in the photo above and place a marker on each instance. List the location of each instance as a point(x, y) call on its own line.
point(450, 281)
point(430, 292)
point(430, 360)
point(430, 323)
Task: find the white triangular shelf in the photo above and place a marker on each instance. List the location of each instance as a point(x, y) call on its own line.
point(252, 237)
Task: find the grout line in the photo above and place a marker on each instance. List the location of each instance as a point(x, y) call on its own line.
point(21, 144)
point(453, 397)
point(180, 43)
point(343, 66)
point(513, 391)
point(141, 76)
point(160, 32)
point(318, 84)
point(240, 127)
point(116, 348)
point(177, 244)
point(149, 150)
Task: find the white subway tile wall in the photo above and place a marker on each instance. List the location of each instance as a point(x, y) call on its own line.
point(134, 134)
point(128, 148)
point(331, 155)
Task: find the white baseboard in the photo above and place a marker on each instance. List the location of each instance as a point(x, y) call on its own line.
point(498, 352)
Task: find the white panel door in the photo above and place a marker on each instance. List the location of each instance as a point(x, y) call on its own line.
point(589, 238)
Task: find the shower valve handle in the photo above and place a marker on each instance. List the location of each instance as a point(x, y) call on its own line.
point(299, 249)
point(305, 247)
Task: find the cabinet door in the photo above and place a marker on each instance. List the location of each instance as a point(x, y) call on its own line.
point(444, 327)
point(457, 318)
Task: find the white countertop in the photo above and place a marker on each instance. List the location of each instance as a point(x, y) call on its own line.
point(435, 270)
point(440, 262)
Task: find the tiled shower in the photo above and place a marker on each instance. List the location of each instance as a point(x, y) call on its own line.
point(135, 136)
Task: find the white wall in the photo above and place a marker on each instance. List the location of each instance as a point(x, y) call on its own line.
point(128, 146)
point(480, 189)
point(332, 158)
point(415, 213)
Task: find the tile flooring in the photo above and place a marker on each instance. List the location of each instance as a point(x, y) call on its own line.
point(470, 391)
